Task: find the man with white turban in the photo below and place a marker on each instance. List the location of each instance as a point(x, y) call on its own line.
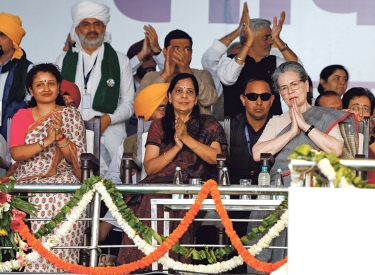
point(13, 68)
point(103, 75)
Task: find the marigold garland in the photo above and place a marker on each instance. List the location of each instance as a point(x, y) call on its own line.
point(209, 187)
point(235, 240)
point(125, 268)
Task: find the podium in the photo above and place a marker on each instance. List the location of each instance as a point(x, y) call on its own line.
point(331, 231)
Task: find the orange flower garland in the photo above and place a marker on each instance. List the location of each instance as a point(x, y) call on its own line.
point(235, 240)
point(209, 187)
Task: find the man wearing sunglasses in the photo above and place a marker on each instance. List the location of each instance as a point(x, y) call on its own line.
point(246, 128)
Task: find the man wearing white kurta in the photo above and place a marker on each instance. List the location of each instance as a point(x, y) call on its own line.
point(103, 75)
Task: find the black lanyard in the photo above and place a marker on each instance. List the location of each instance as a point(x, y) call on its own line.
point(87, 77)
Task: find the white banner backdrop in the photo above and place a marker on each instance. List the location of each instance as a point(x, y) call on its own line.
point(320, 32)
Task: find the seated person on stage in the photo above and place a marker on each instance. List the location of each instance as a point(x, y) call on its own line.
point(142, 60)
point(302, 124)
point(178, 51)
point(334, 78)
point(329, 99)
point(46, 141)
point(245, 130)
point(254, 59)
point(149, 103)
point(71, 94)
point(211, 57)
point(358, 101)
point(182, 137)
point(13, 69)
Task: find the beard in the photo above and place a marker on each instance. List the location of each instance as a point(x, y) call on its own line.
point(91, 43)
point(1, 51)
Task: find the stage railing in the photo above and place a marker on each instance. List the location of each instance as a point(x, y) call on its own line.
point(155, 189)
point(308, 169)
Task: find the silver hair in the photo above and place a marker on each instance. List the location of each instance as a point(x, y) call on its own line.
point(287, 67)
point(256, 24)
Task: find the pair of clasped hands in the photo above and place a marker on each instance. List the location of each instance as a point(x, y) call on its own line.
point(176, 57)
point(298, 121)
point(54, 129)
point(277, 26)
point(181, 132)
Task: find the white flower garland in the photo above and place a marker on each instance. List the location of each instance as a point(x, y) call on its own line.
point(167, 262)
point(325, 168)
point(54, 240)
point(142, 245)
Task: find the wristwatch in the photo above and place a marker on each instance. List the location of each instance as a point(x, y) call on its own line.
point(41, 143)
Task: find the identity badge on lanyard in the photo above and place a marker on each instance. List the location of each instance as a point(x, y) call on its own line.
point(248, 140)
point(86, 97)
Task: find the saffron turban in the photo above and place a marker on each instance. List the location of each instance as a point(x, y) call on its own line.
point(11, 26)
point(149, 99)
point(89, 9)
point(72, 89)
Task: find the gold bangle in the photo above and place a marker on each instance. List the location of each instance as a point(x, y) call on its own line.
point(199, 143)
point(166, 159)
point(246, 45)
point(64, 145)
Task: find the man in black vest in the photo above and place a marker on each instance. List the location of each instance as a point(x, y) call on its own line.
point(256, 37)
point(247, 127)
point(245, 130)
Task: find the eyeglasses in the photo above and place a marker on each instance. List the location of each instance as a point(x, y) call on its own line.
point(293, 85)
point(364, 109)
point(254, 96)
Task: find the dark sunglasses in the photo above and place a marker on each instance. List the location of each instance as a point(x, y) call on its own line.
point(254, 96)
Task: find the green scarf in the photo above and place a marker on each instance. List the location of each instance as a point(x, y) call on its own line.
point(106, 98)
point(17, 91)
